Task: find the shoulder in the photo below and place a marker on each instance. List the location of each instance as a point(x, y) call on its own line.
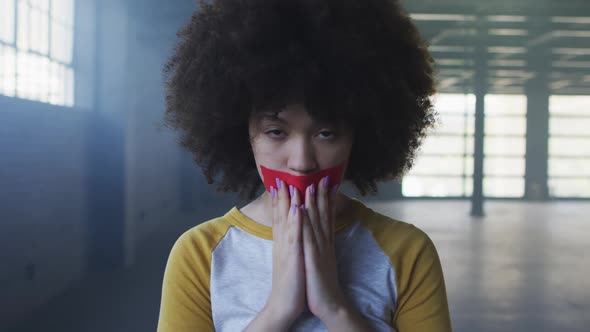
point(202, 238)
point(392, 229)
point(399, 240)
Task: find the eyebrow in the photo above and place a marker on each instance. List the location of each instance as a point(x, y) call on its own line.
point(271, 116)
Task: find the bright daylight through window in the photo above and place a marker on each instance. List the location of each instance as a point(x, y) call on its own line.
point(36, 43)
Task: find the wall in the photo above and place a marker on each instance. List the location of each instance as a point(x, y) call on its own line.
point(162, 180)
point(44, 189)
point(81, 188)
point(42, 203)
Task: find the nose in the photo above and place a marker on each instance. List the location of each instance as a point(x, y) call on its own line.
point(302, 157)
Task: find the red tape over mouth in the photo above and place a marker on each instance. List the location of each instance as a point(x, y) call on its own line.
point(301, 182)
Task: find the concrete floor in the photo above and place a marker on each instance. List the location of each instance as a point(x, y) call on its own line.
point(523, 267)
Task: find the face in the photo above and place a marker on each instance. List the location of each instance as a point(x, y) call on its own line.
point(292, 142)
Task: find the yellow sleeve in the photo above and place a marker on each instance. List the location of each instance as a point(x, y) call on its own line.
point(421, 304)
point(422, 298)
point(186, 303)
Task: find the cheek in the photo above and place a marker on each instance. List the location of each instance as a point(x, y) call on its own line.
point(265, 154)
point(336, 153)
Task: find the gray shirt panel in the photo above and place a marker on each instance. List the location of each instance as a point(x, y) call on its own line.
point(241, 280)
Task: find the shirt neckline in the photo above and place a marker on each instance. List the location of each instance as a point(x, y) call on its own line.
point(346, 218)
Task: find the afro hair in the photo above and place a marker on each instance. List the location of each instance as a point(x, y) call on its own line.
point(361, 63)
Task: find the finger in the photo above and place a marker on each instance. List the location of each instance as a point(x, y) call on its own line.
point(295, 202)
point(310, 244)
point(283, 201)
point(324, 211)
point(312, 212)
point(274, 199)
point(333, 195)
point(295, 196)
point(294, 221)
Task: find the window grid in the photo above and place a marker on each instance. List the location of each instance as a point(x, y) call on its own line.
point(569, 147)
point(37, 59)
point(504, 146)
point(444, 164)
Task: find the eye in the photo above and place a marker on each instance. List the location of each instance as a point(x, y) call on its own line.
point(327, 134)
point(274, 133)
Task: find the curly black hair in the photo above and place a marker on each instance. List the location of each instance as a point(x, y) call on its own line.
point(362, 63)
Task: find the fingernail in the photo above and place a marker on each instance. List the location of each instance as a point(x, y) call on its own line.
point(326, 181)
point(312, 189)
point(302, 206)
point(294, 209)
point(335, 189)
point(291, 190)
point(272, 191)
point(278, 183)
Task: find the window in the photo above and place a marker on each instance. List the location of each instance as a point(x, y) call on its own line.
point(504, 145)
point(36, 43)
point(444, 164)
point(569, 146)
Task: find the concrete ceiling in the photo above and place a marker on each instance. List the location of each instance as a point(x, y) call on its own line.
point(512, 42)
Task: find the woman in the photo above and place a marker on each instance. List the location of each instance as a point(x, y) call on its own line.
point(296, 97)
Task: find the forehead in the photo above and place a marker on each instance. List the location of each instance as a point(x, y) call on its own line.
point(291, 115)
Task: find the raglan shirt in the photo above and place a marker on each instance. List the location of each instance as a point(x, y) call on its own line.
point(219, 275)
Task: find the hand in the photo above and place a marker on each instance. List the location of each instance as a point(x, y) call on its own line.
point(324, 294)
point(287, 297)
